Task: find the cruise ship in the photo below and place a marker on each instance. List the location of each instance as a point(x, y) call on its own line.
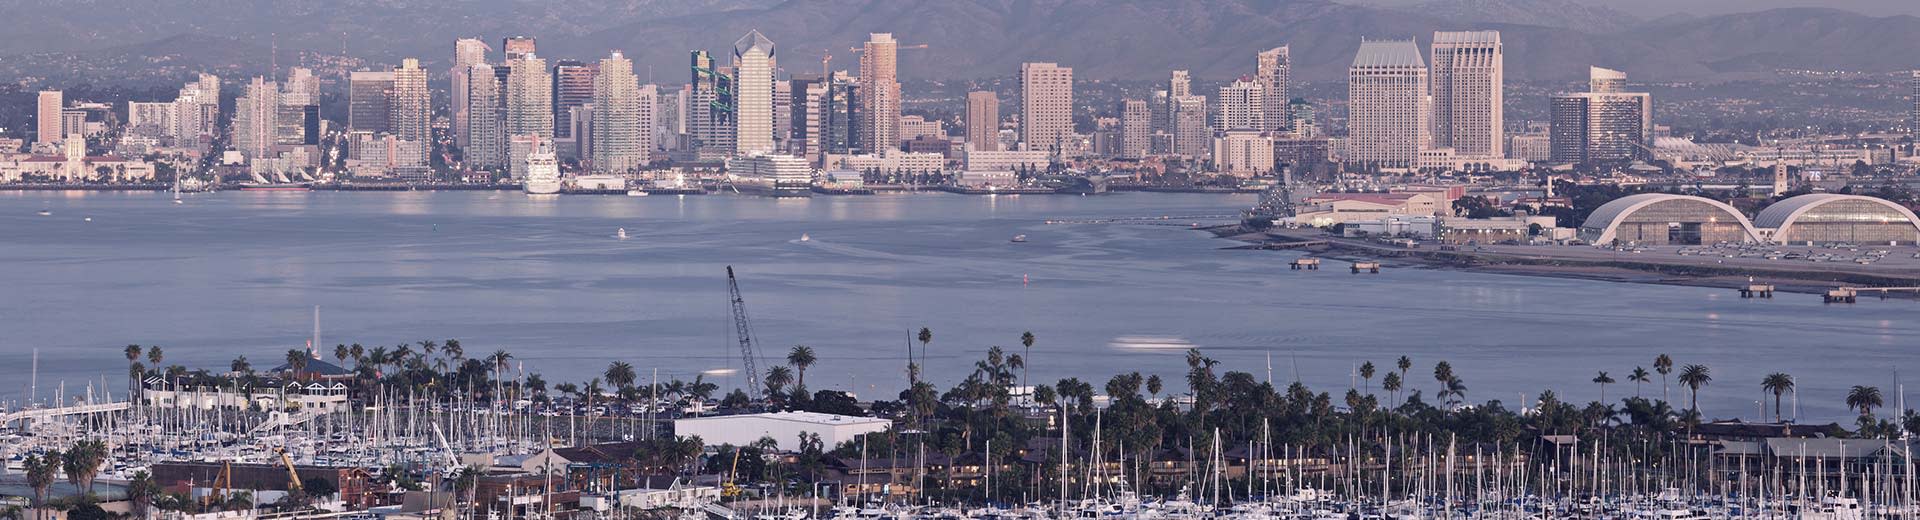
point(771, 175)
point(543, 173)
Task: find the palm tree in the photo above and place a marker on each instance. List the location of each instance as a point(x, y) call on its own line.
point(801, 357)
point(241, 366)
point(154, 356)
point(1663, 365)
point(925, 337)
point(778, 377)
point(340, 353)
point(82, 463)
point(1695, 376)
point(1366, 373)
point(296, 362)
point(1638, 376)
point(1865, 399)
point(1026, 341)
point(357, 352)
point(1404, 365)
point(464, 482)
point(42, 471)
point(1391, 384)
point(1777, 383)
point(1154, 385)
point(620, 374)
point(1603, 380)
point(1442, 372)
point(140, 492)
point(133, 359)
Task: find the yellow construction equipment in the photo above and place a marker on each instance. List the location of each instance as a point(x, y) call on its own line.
point(293, 477)
point(731, 489)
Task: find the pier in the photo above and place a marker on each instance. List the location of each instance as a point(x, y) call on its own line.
point(1852, 294)
point(1756, 290)
point(1370, 267)
point(45, 413)
point(1310, 264)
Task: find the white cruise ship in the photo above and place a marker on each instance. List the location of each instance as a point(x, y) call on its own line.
point(543, 173)
point(771, 175)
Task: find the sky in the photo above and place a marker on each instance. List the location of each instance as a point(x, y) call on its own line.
point(1659, 8)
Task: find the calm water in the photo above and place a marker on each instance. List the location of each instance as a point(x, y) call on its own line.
point(233, 274)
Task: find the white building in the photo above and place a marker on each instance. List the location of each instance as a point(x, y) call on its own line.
point(1241, 106)
point(529, 98)
point(889, 161)
point(1046, 105)
point(1388, 106)
point(753, 98)
point(618, 141)
point(1244, 153)
point(1273, 70)
point(1469, 92)
point(783, 427)
point(1010, 160)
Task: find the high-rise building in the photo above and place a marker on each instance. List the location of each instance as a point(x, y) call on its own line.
point(617, 135)
point(1273, 70)
point(1469, 83)
point(573, 86)
point(516, 47)
point(529, 98)
point(255, 126)
point(880, 94)
point(301, 88)
point(753, 62)
point(47, 117)
point(410, 111)
point(983, 121)
point(1614, 125)
point(803, 138)
point(369, 100)
point(782, 113)
point(1389, 109)
point(486, 121)
point(1606, 81)
point(1179, 84)
point(467, 52)
point(1191, 136)
point(841, 108)
point(1913, 101)
point(1046, 106)
point(1242, 106)
point(1244, 153)
point(711, 103)
point(1136, 129)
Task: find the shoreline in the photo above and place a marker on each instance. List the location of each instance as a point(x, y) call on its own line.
point(1786, 280)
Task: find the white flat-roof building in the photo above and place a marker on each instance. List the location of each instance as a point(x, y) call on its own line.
point(783, 427)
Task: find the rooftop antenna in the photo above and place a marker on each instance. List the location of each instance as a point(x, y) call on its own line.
point(273, 54)
point(316, 332)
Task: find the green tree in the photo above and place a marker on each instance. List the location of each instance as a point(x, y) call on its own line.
point(1663, 365)
point(778, 377)
point(620, 375)
point(1026, 341)
point(1603, 380)
point(802, 358)
point(1865, 399)
point(1694, 377)
point(1777, 383)
point(1638, 376)
point(42, 471)
point(1366, 374)
point(141, 490)
point(82, 463)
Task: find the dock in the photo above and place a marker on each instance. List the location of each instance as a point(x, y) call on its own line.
point(1852, 294)
point(1310, 264)
point(1759, 290)
point(1370, 267)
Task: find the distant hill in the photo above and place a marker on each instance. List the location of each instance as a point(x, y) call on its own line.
point(1125, 39)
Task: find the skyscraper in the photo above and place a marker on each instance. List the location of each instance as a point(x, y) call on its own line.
point(840, 128)
point(486, 123)
point(1389, 110)
point(880, 94)
point(47, 117)
point(1242, 106)
point(1273, 70)
point(1136, 129)
point(753, 62)
point(1612, 125)
point(411, 110)
point(803, 138)
point(983, 121)
point(529, 98)
point(1913, 101)
point(1046, 105)
point(1469, 84)
point(573, 86)
point(1179, 84)
point(368, 94)
point(516, 47)
point(617, 134)
point(299, 111)
point(1191, 136)
point(254, 119)
point(467, 52)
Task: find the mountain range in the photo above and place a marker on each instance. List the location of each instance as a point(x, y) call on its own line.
point(1102, 39)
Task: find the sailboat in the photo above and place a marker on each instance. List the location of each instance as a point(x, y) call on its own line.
point(620, 233)
point(176, 190)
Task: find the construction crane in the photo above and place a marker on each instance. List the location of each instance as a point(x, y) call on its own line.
point(293, 477)
point(731, 489)
point(743, 333)
point(221, 484)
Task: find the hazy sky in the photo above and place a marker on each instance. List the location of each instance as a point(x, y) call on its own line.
point(1658, 8)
